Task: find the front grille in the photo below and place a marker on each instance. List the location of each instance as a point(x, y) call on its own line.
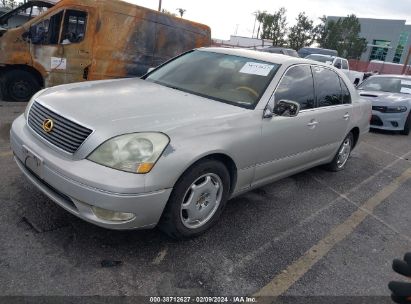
point(66, 134)
point(376, 121)
point(380, 109)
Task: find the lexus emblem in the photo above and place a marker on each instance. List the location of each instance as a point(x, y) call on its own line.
point(48, 125)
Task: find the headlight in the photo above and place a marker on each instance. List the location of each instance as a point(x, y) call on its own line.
point(399, 109)
point(136, 153)
point(26, 112)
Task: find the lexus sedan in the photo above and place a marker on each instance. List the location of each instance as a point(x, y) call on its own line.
point(171, 148)
point(391, 101)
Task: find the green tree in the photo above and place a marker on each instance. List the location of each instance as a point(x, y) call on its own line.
point(11, 3)
point(342, 35)
point(274, 26)
point(320, 32)
point(302, 34)
point(351, 44)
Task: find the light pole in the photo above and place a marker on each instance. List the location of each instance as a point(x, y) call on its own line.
point(159, 5)
point(255, 21)
point(406, 61)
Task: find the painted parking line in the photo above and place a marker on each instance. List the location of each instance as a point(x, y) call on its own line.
point(6, 154)
point(282, 282)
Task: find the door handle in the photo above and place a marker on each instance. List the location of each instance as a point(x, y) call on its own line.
point(346, 116)
point(83, 52)
point(313, 123)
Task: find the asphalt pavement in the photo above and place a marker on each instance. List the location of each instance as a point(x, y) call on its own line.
point(317, 233)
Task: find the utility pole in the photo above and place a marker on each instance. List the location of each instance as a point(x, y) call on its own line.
point(406, 61)
point(159, 5)
point(255, 21)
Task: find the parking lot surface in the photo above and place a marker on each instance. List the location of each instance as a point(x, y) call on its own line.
point(315, 233)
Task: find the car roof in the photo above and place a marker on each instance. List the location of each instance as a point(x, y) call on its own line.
point(278, 48)
point(323, 55)
point(392, 76)
point(263, 56)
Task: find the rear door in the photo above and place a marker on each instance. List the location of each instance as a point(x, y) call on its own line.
point(334, 109)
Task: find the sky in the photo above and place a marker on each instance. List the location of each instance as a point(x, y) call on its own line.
point(229, 17)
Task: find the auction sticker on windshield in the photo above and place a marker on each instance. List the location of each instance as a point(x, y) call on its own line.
point(256, 68)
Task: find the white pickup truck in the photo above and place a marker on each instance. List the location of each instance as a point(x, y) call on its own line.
point(339, 63)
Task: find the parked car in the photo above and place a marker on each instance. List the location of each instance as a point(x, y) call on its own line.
point(340, 63)
point(178, 143)
point(77, 40)
point(391, 101)
point(281, 50)
point(305, 51)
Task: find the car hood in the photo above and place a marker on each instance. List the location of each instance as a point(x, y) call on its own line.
point(132, 105)
point(385, 98)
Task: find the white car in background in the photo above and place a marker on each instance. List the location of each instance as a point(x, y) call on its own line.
point(341, 64)
point(391, 101)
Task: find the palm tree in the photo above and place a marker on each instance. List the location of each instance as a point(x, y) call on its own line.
point(181, 11)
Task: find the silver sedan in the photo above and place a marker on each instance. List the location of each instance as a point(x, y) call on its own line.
point(171, 148)
point(391, 101)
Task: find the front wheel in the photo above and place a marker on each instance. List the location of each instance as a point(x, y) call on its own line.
point(197, 200)
point(407, 125)
point(340, 159)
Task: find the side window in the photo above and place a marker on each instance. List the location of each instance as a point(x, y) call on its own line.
point(297, 85)
point(346, 96)
point(74, 27)
point(345, 65)
point(328, 87)
point(46, 31)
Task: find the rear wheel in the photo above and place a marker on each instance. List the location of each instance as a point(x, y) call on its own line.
point(407, 126)
point(20, 85)
point(197, 200)
point(343, 153)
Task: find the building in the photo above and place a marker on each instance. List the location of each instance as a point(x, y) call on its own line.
point(388, 40)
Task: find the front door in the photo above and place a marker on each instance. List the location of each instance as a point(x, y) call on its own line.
point(289, 143)
point(61, 45)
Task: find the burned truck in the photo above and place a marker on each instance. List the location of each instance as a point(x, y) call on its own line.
point(44, 44)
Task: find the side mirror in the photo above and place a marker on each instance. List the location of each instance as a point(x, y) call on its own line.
point(287, 108)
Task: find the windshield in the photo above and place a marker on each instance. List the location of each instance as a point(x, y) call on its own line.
point(321, 58)
point(24, 13)
point(231, 79)
point(387, 84)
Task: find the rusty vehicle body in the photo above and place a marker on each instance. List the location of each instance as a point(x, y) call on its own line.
point(78, 40)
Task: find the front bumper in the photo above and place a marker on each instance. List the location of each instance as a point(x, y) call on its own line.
point(388, 121)
point(72, 184)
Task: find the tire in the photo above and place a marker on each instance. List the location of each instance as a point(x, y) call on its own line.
point(407, 126)
point(338, 164)
point(178, 221)
point(20, 85)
